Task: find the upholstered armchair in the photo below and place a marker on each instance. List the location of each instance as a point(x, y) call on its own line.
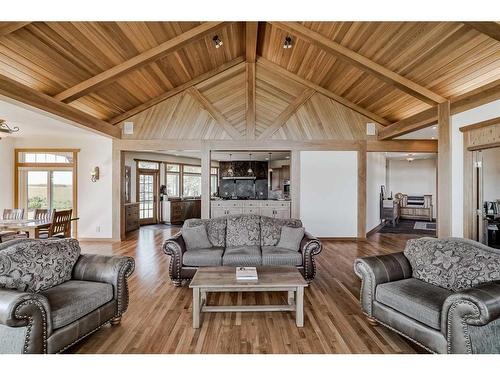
point(53, 319)
point(443, 294)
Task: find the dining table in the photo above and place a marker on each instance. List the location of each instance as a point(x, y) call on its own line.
point(30, 226)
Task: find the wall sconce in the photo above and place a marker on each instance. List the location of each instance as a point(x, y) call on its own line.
point(94, 175)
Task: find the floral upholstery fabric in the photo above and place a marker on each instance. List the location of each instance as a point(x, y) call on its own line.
point(36, 265)
point(243, 230)
point(216, 229)
point(452, 263)
point(270, 229)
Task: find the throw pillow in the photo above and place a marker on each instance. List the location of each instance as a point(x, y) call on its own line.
point(196, 237)
point(290, 238)
point(37, 265)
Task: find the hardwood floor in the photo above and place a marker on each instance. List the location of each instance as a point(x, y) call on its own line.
point(159, 316)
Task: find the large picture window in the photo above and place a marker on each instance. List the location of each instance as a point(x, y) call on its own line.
point(173, 173)
point(184, 180)
point(191, 181)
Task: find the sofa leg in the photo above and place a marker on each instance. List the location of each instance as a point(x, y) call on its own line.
point(116, 320)
point(372, 321)
point(177, 283)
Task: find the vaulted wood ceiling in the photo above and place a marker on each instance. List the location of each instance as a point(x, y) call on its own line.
point(251, 87)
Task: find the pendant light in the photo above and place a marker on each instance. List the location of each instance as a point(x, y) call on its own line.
point(287, 44)
point(250, 171)
point(270, 158)
point(230, 171)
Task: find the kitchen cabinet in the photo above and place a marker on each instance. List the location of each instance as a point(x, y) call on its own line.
point(277, 209)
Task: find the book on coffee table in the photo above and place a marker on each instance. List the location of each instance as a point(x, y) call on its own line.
point(246, 273)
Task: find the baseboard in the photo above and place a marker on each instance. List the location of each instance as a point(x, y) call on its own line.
point(376, 229)
point(92, 239)
point(341, 239)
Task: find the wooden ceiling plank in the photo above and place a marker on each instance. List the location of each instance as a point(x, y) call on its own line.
point(251, 30)
point(136, 62)
point(17, 91)
point(276, 68)
point(361, 62)
point(176, 90)
point(9, 27)
point(287, 113)
point(492, 29)
point(214, 112)
point(474, 98)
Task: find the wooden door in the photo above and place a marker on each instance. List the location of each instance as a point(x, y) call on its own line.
point(147, 192)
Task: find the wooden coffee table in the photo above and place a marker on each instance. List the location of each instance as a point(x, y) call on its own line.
point(271, 279)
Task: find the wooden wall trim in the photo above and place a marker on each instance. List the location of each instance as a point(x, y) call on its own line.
point(362, 163)
point(339, 99)
point(444, 201)
point(402, 145)
point(361, 62)
point(110, 75)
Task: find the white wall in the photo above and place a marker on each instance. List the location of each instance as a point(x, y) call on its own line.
point(6, 173)
point(415, 178)
point(375, 177)
point(472, 116)
point(329, 192)
point(491, 174)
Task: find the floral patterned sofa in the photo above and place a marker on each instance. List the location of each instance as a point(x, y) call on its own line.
point(443, 294)
point(241, 240)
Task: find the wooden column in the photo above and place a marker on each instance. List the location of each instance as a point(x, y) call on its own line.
point(444, 171)
point(295, 183)
point(118, 215)
point(362, 191)
point(205, 181)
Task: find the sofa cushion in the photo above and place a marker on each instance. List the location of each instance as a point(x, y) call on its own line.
point(414, 298)
point(242, 256)
point(243, 230)
point(290, 238)
point(278, 256)
point(203, 257)
point(196, 237)
point(216, 229)
point(452, 263)
point(270, 229)
point(35, 265)
point(74, 299)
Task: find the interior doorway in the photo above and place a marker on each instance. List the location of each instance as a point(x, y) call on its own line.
point(147, 190)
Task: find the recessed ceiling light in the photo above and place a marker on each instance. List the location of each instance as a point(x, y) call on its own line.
point(287, 157)
point(433, 138)
point(434, 127)
point(287, 43)
point(217, 42)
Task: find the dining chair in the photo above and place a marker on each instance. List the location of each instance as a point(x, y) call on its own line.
point(61, 224)
point(43, 214)
point(12, 214)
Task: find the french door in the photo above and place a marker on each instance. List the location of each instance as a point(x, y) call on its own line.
point(147, 192)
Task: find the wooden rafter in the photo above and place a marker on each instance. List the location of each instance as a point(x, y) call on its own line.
point(214, 112)
point(458, 104)
point(361, 62)
point(492, 29)
point(251, 35)
point(482, 124)
point(287, 113)
point(251, 30)
point(9, 27)
point(136, 62)
point(402, 145)
point(176, 90)
point(34, 98)
point(278, 69)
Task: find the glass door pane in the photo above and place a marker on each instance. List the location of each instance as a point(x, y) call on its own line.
point(147, 202)
point(62, 190)
point(37, 190)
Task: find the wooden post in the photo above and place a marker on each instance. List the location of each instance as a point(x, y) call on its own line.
point(295, 184)
point(444, 171)
point(362, 191)
point(205, 181)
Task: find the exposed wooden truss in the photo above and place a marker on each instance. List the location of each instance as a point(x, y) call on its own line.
point(492, 29)
point(9, 27)
point(402, 145)
point(27, 95)
point(362, 62)
point(251, 30)
point(214, 112)
point(474, 98)
point(136, 62)
point(482, 124)
point(250, 96)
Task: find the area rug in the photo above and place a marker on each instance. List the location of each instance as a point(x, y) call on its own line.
point(421, 225)
point(405, 226)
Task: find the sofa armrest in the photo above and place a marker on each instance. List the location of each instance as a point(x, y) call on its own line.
point(477, 306)
point(175, 247)
point(113, 270)
point(309, 247)
point(378, 270)
point(20, 309)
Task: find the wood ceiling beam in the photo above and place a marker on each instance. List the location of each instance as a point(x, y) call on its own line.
point(9, 27)
point(214, 112)
point(22, 93)
point(287, 113)
point(278, 69)
point(251, 34)
point(482, 124)
point(361, 62)
point(402, 145)
point(250, 104)
point(176, 90)
point(474, 98)
point(492, 29)
point(138, 61)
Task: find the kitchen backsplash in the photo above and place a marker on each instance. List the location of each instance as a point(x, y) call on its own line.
point(257, 188)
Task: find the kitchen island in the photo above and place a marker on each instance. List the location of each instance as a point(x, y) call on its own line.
point(272, 208)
